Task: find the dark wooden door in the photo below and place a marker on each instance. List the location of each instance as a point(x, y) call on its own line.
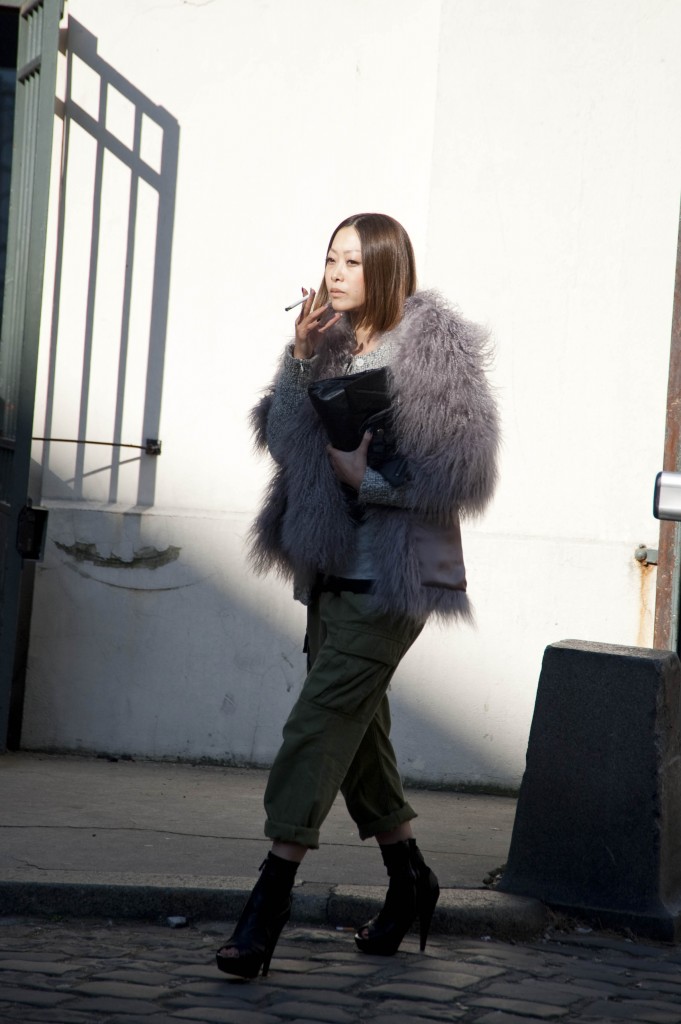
point(38, 42)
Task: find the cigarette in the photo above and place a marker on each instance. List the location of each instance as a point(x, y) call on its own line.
point(298, 303)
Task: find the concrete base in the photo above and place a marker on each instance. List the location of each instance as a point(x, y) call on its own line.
point(598, 824)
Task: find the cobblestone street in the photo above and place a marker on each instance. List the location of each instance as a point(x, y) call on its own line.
point(87, 972)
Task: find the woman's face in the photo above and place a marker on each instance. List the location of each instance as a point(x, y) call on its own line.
point(344, 274)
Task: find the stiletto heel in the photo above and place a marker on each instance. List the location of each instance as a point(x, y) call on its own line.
point(427, 893)
point(276, 932)
point(427, 901)
point(258, 929)
point(413, 892)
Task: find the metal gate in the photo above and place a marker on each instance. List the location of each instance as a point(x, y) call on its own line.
point(31, 163)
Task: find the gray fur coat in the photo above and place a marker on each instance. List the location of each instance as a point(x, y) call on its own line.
point(447, 427)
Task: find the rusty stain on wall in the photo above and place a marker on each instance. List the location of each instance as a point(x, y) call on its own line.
point(145, 558)
point(646, 604)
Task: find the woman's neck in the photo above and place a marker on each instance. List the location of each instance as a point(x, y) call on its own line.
point(366, 340)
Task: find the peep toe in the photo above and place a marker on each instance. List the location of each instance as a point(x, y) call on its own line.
point(262, 919)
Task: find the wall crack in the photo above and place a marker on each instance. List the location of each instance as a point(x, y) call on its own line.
point(145, 558)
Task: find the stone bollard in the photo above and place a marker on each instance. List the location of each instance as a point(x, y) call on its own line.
point(597, 832)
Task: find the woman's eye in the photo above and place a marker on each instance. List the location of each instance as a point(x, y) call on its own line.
point(328, 260)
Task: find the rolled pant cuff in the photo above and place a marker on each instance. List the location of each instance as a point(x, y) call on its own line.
point(293, 834)
point(387, 823)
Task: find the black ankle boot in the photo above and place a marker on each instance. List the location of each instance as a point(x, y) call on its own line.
point(413, 892)
point(262, 919)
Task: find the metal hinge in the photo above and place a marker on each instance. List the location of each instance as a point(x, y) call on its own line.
point(646, 555)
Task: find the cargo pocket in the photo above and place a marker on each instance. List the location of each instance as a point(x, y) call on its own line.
point(352, 671)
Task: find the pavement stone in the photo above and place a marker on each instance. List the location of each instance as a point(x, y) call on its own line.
point(413, 992)
point(632, 1010)
point(307, 1011)
point(425, 1013)
point(27, 994)
point(105, 1007)
point(397, 1017)
point(157, 1018)
point(541, 1011)
point(208, 1015)
point(499, 1017)
point(122, 990)
point(111, 973)
point(549, 992)
point(58, 1016)
point(36, 967)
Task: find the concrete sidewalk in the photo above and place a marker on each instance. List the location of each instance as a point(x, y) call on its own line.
point(86, 836)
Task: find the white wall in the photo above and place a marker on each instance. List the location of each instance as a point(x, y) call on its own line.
point(531, 149)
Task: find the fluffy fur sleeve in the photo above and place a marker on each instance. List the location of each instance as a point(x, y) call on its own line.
point(446, 416)
point(258, 420)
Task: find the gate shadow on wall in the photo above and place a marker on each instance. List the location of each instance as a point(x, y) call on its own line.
point(79, 383)
point(112, 278)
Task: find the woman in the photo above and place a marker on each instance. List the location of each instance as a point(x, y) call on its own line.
point(370, 559)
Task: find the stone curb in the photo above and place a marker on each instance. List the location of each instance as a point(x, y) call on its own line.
point(472, 913)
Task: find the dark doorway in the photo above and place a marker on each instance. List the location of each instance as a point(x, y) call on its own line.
point(9, 25)
point(30, 33)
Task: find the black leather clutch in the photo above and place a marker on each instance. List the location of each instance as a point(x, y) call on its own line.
point(350, 405)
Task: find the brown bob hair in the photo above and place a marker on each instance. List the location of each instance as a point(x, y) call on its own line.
point(389, 270)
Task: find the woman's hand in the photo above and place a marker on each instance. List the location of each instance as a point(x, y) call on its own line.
point(350, 467)
point(308, 331)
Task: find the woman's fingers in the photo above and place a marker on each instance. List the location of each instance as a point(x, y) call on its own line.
point(311, 320)
point(334, 320)
point(350, 467)
point(305, 308)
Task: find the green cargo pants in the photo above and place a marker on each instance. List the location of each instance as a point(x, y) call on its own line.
point(337, 736)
